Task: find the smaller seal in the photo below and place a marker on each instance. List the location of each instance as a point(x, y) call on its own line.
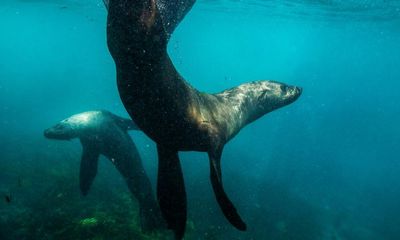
point(103, 133)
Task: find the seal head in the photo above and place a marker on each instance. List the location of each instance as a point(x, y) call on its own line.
point(75, 126)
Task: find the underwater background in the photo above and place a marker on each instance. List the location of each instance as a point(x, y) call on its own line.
point(326, 167)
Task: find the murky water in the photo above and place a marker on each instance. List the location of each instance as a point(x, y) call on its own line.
point(325, 167)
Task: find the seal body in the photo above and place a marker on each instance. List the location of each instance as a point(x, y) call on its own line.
point(103, 133)
point(170, 111)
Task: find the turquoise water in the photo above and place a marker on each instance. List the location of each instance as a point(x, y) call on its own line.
point(325, 167)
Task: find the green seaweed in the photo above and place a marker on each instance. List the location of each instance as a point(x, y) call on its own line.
point(50, 206)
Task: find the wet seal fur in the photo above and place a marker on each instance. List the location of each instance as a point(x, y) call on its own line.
point(102, 132)
point(170, 111)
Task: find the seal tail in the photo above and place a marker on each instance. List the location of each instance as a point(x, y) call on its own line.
point(226, 205)
point(171, 192)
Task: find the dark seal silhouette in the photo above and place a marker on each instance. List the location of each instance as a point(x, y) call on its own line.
point(170, 111)
point(102, 132)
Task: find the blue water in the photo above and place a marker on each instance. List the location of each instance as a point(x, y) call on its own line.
point(325, 167)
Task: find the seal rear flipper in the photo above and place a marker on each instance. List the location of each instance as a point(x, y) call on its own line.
point(139, 184)
point(171, 190)
point(88, 169)
point(151, 220)
point(226, 205)
point(172, 12)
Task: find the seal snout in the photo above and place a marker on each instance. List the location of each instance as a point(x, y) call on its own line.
point(56, 132)
point(299, 90)
point(294, 93)
point(51, 134)
point(47, 133)
point(295, 90)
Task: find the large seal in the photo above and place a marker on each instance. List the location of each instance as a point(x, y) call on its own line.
point(170, 111)
point(102, 132)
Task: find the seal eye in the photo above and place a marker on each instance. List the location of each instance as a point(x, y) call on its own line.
point(283, 88)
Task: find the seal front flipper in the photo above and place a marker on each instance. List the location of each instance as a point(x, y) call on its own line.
point(226, 205)
point(171, 190)
point(88, 171)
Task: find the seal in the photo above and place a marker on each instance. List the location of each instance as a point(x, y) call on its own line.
point(103, 133)
point(173, 113)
